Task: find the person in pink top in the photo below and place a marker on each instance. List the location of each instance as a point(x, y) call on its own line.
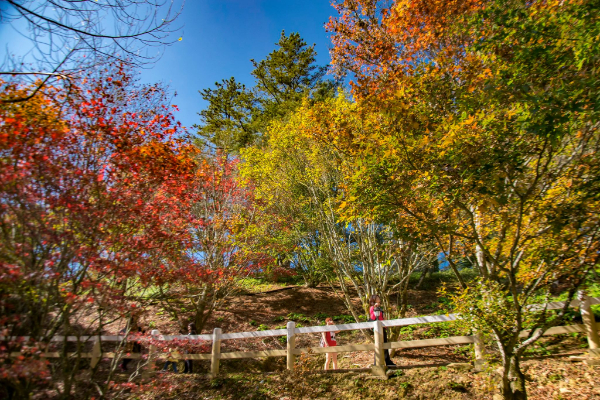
point(328, 340)
point(375, 313)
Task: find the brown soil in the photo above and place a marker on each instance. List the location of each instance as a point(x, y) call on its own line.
point(237, 313)
point(423, 374)
point(555, 379)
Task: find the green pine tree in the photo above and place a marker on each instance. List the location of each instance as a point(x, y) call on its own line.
point(227, 122)
point(237, 117)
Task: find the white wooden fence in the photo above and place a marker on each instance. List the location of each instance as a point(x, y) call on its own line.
point(589, 327)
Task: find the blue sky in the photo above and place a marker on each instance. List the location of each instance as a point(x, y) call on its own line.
point(219, 39)
point(221, 36)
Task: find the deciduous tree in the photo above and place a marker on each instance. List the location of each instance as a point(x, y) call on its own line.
point(225, 247)
point(487, 142)
point(306, 179)
point(88, 202)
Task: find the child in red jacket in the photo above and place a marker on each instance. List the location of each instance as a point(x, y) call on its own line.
point(328, 340)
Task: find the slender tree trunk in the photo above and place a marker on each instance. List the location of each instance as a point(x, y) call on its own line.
point(481, 262)
point(311, 282)
point(513, 379)
point(394, 335)
point(395, 332)
point(422, 277)
point(460, 279)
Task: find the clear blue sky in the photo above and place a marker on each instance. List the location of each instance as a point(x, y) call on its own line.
point(219, 39)
point(221, 36)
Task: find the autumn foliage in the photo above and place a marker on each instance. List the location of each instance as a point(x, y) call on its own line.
point(477, 128)
point(470, 134)
point(224, 226)
point(92, 194)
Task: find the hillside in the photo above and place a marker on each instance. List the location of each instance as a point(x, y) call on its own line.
point(421, 373)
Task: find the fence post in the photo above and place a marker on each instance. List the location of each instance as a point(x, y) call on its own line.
point(216, 353)
point(479, 352)
point(591, 328)
point(154, 334)
point(291, 344)
point(96, 353)
point(379, 368)
point(43, 356)
point(151, 353)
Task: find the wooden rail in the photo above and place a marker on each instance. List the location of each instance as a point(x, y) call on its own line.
point(589, 327)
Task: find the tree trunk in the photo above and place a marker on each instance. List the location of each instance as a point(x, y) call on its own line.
point(461, 281)
point(394, 335)
point(481, 262)
point(395, 332)
point(422, 277)
point(200, 316)
point(513, 380)
point(404, 299)
point(348, 300)
point(311, 282)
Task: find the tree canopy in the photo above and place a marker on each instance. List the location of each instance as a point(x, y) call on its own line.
point(237, 117)
point(468, 136)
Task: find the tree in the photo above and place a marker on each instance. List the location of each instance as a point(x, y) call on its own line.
point(287, 76)
point(486, 142)
point(305, 179)
point(309, 256)
point(227, 121)
point(237, 117)
point(87, 204)
point(69, 37)
point(280, 176)
point(224, 248)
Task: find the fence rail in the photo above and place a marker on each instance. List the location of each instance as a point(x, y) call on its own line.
point(589, 327)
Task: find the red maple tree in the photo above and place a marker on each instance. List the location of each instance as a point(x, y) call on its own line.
point(92, 185)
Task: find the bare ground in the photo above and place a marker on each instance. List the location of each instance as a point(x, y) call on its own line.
point(422, 373)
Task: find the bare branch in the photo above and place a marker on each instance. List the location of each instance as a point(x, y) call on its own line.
point(69, 37)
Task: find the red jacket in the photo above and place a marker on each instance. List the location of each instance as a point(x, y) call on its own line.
point(330, 338)
point(372, 314)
